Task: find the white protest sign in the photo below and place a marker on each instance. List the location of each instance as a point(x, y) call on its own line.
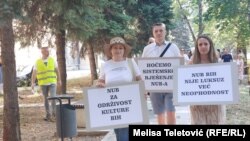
point(157, 73)
point(206, 84)
point(115, 106)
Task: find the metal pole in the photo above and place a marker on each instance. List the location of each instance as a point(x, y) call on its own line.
point(61, 114)
point(61, 118)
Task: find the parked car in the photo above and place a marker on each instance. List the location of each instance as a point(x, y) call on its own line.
point(24, 74)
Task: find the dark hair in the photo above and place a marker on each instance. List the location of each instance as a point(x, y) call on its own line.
point(159, 24)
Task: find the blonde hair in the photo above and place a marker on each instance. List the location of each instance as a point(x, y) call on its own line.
point(113, 41)
point(212, 57)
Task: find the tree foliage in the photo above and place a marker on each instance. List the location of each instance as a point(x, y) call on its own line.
point(145, 14)
point(231, 17)
point(182, 27)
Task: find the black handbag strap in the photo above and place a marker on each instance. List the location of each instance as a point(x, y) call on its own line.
point(165, 49)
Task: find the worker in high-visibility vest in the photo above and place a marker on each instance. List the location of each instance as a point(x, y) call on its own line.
point(46, 72)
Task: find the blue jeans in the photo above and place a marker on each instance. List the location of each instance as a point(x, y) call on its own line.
point(162, 102)
point(121, 134)
point(46, 89)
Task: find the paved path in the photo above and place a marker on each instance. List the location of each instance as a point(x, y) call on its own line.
point(71, 74)
point(182, 117)
point(182, 114)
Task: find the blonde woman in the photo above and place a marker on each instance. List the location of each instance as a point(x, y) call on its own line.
point(117, 70)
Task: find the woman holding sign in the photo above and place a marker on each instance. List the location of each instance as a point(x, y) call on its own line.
point(118, 69)
point(205, 114)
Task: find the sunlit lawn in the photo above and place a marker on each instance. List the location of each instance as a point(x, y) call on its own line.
point(240, 113)
point(74, 87)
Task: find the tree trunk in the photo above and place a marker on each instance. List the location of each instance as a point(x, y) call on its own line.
point(11, 119)
point(188, 23)
point(200, 17)
point(78, 55)
point(60, 53)
point(75, 53)
point(92, 61)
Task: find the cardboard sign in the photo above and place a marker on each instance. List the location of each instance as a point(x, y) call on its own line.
point(206, 84)
point(157, 73)
point(115, 106)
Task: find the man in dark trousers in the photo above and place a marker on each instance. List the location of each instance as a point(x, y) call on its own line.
point(226, 57)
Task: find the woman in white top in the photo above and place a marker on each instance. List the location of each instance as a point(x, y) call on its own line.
point(240, 64)
point(184, 55)
point(117, 70)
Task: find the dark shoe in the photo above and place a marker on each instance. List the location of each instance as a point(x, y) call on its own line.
point(52, 119)
point(54, 115)
point(20, 97)
point(46, 119)
point(49, 119)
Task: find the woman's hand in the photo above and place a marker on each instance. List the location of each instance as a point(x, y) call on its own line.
point(100, 84)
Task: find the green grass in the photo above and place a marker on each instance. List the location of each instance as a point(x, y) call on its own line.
point(240, 113)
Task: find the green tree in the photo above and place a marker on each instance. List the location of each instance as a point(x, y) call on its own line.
point(184, 13)
point(181, 34)
point(231, 18)
point(182, 28)
point(117, 22)
point(75, 20)
point(145, 14)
